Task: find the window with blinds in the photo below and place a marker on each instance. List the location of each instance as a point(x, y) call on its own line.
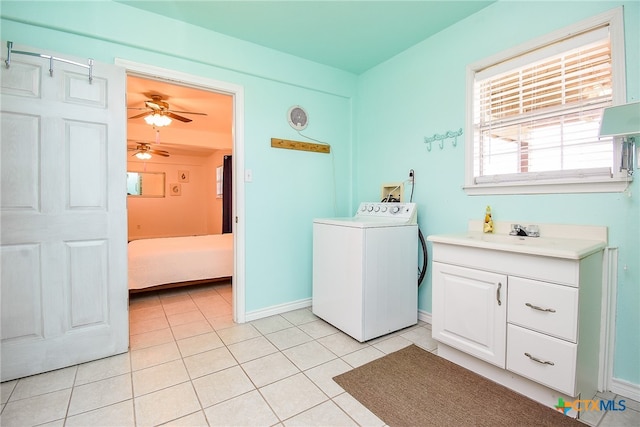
point(542, 116)
point(536, 113)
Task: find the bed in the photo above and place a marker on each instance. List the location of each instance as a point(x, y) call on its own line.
point(179, 261)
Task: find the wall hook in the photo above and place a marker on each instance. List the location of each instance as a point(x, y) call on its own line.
point(441, 137)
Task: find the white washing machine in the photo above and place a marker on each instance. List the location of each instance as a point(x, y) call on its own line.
point(365, 270)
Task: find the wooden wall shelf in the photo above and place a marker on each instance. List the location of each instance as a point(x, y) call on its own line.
point(298, 145)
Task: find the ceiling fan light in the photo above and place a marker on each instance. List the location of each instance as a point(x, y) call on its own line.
point(143, 156)
point(163, 121)
point(158, 120)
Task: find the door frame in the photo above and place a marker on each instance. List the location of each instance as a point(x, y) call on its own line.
point(237, 129)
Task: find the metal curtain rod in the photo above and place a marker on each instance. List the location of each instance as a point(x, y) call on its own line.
point(49, 57)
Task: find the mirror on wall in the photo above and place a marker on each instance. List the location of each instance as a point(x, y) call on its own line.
point(145, 184)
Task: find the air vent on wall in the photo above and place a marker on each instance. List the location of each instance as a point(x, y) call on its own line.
point(297, 117)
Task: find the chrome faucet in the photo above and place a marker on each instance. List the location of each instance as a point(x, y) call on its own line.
point(520, 230)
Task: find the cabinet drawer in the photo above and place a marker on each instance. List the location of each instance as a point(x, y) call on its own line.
point(542, 358)
point(545, 307)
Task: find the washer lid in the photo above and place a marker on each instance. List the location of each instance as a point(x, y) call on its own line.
point(363, 222)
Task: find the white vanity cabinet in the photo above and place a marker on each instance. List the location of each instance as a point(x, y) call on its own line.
point(523, 312)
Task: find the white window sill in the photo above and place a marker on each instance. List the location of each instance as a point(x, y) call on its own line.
point(608, 185)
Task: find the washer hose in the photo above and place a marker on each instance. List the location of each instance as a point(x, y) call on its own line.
point(425, 258)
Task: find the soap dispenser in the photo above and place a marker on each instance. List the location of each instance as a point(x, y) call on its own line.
point(488, 221)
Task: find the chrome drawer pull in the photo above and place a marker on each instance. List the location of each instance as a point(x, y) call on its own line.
point(535, 359)
point(535, 307)
point(498, 293)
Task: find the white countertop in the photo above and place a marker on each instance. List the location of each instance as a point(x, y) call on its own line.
point(557, 247)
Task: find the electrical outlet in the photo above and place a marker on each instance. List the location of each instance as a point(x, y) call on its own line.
point(411, 176)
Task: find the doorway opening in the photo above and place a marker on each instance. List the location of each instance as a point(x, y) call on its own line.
point(208, 129)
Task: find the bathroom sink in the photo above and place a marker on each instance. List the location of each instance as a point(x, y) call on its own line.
point(544, 246)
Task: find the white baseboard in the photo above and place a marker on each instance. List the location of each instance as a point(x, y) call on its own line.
point(277, 309)
point(625, 389)
point(424, 316)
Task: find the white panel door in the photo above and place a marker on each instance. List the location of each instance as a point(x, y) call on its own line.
point(64, 293)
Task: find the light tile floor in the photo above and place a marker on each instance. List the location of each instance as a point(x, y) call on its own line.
point(190, 365)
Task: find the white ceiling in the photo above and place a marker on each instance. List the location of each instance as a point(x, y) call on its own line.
point(353, 35)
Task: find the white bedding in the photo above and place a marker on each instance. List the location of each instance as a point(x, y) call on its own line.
point(179, 259)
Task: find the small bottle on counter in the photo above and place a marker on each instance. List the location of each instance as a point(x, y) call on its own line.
point(488, 221)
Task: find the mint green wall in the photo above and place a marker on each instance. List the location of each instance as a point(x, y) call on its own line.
point(422, 91)
point(416, 94)
point(289, 188)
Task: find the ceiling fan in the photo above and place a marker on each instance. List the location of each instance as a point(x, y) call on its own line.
point(144, 151)
point(158, 106)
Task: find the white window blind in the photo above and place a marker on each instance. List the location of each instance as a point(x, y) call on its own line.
point(537, 116)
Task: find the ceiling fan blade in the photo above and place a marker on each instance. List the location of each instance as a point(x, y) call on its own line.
point(177, 117)
point(137, 116)
point(187, 112)
point(159, 153)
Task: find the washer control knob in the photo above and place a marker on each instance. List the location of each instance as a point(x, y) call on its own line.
point(377, 208)
point(370, 208)
point(395, 209)
point(384, 209)
point(363, 208)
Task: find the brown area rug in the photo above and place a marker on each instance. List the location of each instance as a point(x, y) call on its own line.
point(413, 387)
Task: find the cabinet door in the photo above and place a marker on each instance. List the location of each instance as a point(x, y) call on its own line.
point(469, 311)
